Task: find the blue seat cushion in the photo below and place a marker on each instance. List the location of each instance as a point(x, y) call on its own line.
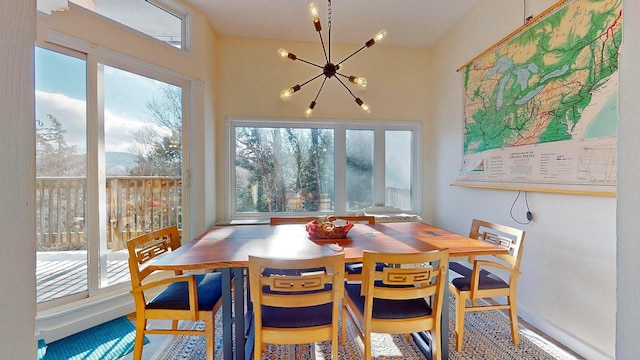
point(356, 267)
point(460, 269)
point(305, 316)
point(176, 295)
point(389, 309)
point(488, 280)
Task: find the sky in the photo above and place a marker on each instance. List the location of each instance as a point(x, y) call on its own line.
point(61, 91)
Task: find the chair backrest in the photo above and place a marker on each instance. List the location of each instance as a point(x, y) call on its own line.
point(365, 219)
point(407, 276)
point(507, 237)
point(147, 246)
point(296, 283)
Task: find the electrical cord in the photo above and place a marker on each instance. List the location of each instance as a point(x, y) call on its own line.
point(529, 214)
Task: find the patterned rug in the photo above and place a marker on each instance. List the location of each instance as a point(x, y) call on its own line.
point(487, 336)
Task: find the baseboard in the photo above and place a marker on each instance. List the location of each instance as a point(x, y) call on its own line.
point(566, 339)
point(61, 322)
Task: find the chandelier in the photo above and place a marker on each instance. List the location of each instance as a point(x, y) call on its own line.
point(329, 69)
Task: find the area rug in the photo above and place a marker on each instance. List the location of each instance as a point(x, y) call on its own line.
point(107, 341)
point(487, 336)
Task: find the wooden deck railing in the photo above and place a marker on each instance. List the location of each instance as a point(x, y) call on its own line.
point(135, 205)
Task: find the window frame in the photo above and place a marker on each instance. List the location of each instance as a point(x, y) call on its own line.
point(340, 127)
point(182, 12)
point(95, 211)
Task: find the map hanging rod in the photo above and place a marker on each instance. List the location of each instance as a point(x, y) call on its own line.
point(543, 14)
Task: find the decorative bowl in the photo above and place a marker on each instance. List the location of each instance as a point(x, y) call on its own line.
point(329, 228)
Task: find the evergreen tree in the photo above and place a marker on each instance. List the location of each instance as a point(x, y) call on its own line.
point(53, 156)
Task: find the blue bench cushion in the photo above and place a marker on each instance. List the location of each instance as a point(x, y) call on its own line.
point(176, 295)
point(389, 309)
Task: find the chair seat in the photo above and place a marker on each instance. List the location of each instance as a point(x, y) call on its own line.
point(460, 268)
point(305, 316)
point(176, 295)
point(389, 309)
point(488, 280)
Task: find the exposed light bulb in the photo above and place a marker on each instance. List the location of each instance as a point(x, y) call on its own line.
point(282, 52)
point(381, 35)
point(363, 106)
point(286, 94)
point(309, 111)
point(313, 10)
point(285, 54)
point(359, 81)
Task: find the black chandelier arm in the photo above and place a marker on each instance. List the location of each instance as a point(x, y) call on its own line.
point(319, 90)
point(313, 78)
point(345, 76)
point(355, 52)
point(310, 63)
point(346, 87)
point(326, 58)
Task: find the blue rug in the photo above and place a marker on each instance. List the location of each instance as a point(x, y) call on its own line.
point(107, 341)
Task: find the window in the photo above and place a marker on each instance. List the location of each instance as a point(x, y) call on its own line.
point(108, 168)
point(161, 19)
point(321, 168)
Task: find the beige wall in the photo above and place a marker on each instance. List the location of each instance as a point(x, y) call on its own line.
point(568, 282)
point(252, 76)
point(17, 180)
point(628, 226)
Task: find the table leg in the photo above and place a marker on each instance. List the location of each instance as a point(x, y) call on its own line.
point(227, 317)
point(423, 341)
point(238, 318)
point(444, 319)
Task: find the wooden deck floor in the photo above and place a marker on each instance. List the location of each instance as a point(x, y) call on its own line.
point(62, 273)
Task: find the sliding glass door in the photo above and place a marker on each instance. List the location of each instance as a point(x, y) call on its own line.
point(109, 167)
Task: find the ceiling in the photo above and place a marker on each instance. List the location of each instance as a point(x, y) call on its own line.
point(411, 23)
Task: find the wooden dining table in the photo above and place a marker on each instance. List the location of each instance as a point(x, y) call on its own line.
point(227, 248)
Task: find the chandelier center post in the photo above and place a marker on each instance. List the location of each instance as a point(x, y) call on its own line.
point(329, 70)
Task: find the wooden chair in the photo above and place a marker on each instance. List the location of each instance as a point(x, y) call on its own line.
point(297, 304)
point(394, 300)
point(193, 297)
point(476, 282)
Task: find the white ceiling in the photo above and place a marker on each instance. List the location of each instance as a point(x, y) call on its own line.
point(412, 23)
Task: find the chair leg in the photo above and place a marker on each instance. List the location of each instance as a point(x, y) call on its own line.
point(209, 329)
point(513, 315)
point(367, 344)
point(460, 308)
point(141, 325)
point(258, 346)
point(334, 345)
point(436, 336)
point(174, 325)
point(343, 326)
